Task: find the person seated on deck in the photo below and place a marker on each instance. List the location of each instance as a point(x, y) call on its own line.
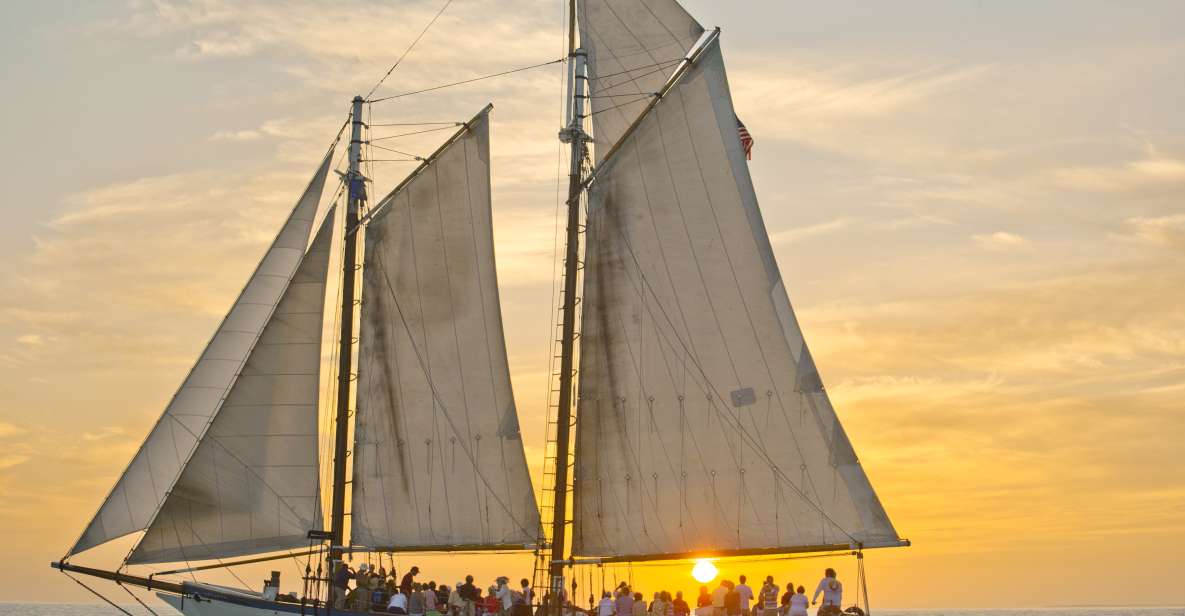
point(798, 603)
point(489, 603)
point(430, 597)
point(639, 605)
point(398, 603)
point(606, 607)
point(832, 590)
point(415, 601)
point(456, 605)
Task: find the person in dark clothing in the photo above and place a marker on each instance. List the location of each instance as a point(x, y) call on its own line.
point(467, 590)
point(408, 579)
point(732, 601)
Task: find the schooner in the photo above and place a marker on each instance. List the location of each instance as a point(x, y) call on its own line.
point(689, 419)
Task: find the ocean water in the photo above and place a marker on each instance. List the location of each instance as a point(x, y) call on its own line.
point(77, 609)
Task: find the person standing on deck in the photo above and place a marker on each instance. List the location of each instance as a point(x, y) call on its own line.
point(469, 597)
point(718, 598)
point(732, 601)
point(505, 595)
point(341, 585)
point(405, 585)
point(746, 594)
point(625, 602)
point(832, 590)
point(679, 606)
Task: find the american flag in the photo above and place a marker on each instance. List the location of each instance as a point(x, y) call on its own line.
point(746, 139)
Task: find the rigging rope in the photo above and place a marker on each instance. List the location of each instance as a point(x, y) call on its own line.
point(463, 82)
point(129, 591)
point(409, 48)
point(96, 593)
point(416, 132)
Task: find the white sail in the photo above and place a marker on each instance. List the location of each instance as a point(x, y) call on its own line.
point(702, 423)
point(438, 461)
point(633, 47)
point(141, 490)
point(252, 485)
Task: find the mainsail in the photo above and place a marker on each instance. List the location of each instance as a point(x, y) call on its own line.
point(141, 492)
point(703, 425)
point(438, 460)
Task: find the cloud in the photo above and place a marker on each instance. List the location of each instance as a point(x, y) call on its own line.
point(797, 234)
point(1000, 240)
point(30, 339)
point(105, 432)
point(7, 429)
point(1160, 230)
point(1138, 175)
point(8, 461)
point(236, 135)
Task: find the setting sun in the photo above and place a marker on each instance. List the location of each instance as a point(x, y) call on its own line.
point(704, 571)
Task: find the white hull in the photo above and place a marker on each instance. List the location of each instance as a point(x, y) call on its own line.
point(223, 602)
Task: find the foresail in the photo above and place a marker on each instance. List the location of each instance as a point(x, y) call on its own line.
point(438, 461)
point(633, 47)
point(252, 485)
point(141, 490)
point(702, 423)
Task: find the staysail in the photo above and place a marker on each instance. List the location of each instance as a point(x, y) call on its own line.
point(251, 485)
point(438, 460)
point(703, 426)
point(141, 491)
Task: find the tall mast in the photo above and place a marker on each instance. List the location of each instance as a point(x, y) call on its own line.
point(574, 135)
point(356, 194)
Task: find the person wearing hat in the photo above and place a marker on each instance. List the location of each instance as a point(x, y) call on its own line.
point(407, 581)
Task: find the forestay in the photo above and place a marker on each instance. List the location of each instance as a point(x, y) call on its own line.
point(140, 492)
point(633, 47)
point(703, 425)
point(251, 485)
point(438, 461)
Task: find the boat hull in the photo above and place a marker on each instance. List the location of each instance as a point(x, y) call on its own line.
point(218, 604)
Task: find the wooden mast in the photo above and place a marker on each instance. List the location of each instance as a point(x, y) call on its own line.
point(356, 194)
point(573, 134)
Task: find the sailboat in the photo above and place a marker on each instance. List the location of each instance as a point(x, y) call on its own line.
point(688, 419)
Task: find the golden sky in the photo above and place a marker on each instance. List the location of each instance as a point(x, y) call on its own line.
point(979, 213)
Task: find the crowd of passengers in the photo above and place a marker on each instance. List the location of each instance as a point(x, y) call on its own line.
point(368, 589)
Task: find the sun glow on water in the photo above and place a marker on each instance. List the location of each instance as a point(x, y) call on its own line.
point(704, 571)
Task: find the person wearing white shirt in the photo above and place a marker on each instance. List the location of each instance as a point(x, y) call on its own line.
point(746, 594)
point(606, 607)
point(504, 595)
point(831, 588)
point(397, 604)
point(798, 603)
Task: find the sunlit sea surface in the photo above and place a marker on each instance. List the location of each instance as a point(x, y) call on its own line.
point(74, 609)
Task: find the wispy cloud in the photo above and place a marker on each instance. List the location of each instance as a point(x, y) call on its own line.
point(1000, 240)
point(797, 234)
point(1159, 230)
